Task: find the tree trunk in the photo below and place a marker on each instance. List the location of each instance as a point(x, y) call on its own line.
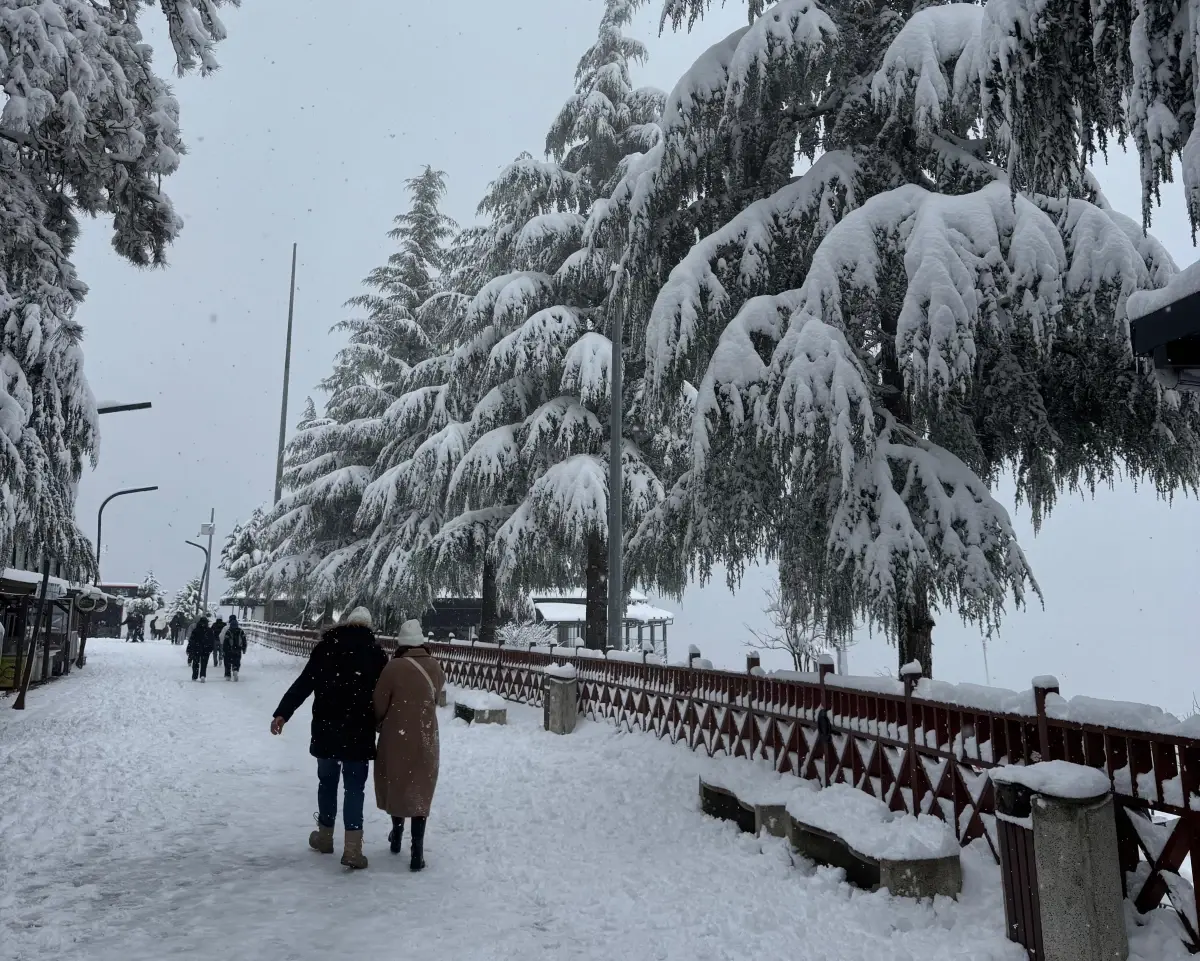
point(915, 635)
point(914, 628)
point(596, 627)
point(490, 612)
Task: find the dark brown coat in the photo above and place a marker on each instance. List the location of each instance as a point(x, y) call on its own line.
point(406, 762)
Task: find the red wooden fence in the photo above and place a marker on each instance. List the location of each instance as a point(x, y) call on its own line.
point(918, 755)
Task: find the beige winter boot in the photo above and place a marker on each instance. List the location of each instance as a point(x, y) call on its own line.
point(321, 839)
point(352, 856)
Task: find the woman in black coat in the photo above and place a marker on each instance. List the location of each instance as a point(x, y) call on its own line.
point(200, 647)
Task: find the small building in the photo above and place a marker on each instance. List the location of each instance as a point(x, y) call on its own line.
point(1165, 326)
point(565, 612)
point(20, 595)
point(645, 625)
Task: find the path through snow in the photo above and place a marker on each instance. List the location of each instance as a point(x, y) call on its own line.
point(145, 817)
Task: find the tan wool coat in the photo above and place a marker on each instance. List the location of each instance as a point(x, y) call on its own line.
point(406, 762)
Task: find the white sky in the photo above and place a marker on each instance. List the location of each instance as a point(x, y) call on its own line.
point(306, 135)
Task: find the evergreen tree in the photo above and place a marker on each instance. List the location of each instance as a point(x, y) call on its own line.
point(522, 478)
point(937, 300)
point(331, 461)
point(242, 553)
point(87, 127)
point(189, 600)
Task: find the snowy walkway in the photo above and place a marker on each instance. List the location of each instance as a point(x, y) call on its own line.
point(146, 817)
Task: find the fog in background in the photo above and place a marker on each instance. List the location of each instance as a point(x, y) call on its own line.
point(307, 134)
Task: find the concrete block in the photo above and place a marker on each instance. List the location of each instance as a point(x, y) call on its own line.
point(770, 819)
point(441, 698)
point(560, 704)
point(907, 878)
point(926, 878)
point(474, 715)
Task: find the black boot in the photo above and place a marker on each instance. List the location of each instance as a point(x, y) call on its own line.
point(396, 838)
point(418, 845)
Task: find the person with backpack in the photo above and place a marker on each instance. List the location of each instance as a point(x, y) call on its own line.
point(340, 674)
point(233, 646)
point(217, 629)
point(200, 646)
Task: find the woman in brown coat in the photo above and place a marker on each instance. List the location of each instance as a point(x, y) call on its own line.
point(406, 762)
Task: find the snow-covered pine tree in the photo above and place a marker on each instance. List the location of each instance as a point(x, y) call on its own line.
point(937, 300)
point(524, 479)
point(242, 553)
point(331, 462)
point(86, 127)
point(151, 592)
point(189, 599)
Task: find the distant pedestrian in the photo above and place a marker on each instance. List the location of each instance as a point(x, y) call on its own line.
point(217, 628)
point(233, 646)
point(200, 646)
point(340, 674)
point(178, 623)
point(406, 764)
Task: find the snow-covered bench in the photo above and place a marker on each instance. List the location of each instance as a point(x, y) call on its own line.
point(480, 707)
point(751, 793)
point(909, 856)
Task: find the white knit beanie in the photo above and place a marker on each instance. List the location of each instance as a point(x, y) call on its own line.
point(359, 617)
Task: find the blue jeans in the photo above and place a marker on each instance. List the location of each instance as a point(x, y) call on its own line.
point(353, 775)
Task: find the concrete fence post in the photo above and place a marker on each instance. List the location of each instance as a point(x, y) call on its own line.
point(1066, 905)
point(560, 699)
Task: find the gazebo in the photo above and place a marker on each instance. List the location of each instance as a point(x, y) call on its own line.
point(1165, 325)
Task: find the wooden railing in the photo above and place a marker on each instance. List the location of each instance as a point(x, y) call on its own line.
point(918, 753)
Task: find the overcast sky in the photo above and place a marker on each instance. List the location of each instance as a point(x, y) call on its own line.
point(306, 135)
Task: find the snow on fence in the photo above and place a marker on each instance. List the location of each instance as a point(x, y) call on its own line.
point(921, 746)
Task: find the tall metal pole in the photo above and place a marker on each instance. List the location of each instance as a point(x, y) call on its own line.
point(287, 374)
point(204, 572)
point(212, 517)
point(616, 489)
point(38, 630)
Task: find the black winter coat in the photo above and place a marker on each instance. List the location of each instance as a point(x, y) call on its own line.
point(340, 674)
point(201, 642)
point(233, 644)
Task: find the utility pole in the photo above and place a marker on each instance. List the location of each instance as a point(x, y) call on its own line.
point(287, 374)
point(208, 529)
point(616, 489)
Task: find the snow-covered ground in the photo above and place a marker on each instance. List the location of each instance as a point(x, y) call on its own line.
point(145, 817)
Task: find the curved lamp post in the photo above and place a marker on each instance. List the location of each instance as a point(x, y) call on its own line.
point(81, 659)
point(203, 574)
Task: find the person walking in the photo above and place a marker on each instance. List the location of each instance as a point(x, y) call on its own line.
point(233, 646)
point(406, 763)
point(341, 674)
point(178, 623)
point(217, 629)
point(200, 645)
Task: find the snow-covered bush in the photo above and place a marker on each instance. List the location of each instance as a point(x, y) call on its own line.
point(527, 635)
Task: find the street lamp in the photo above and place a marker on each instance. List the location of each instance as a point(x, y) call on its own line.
point(100, 517)
point(203, 575)
point(81, 659)
point(111, 407)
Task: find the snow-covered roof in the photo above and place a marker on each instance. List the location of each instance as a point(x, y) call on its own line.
point(16, 576)
point(579, 594)
point(565, 612)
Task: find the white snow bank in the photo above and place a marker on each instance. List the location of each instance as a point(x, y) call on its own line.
point(1144, 302)
point(480, 700)
point(753, 782)
point(564, 672)
point(866, 824)
point(1060, 779)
